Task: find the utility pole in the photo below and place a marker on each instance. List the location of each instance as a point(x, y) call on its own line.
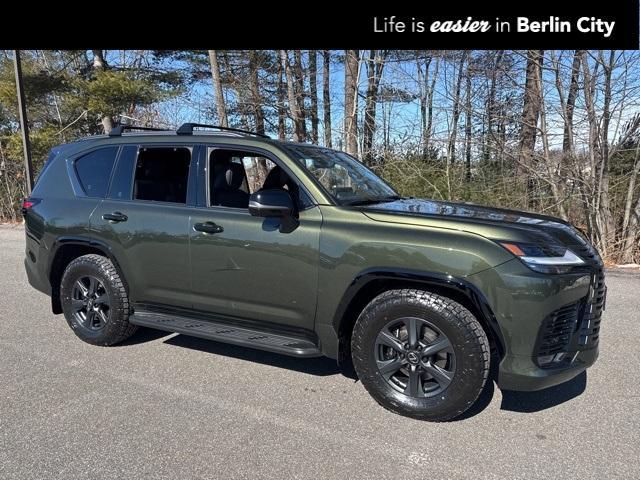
point(28, 166)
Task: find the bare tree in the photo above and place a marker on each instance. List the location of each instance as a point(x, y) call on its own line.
point(298, 75)
point(451, 151)
point(605, 217)
point(351, 74)
point(280, 102)
point(491, 113)
point(426, 84)
point(313, 94)
point(256, 102)
point(299, 131)
point(326, 97)
point(567, 141)
point(221, 108)
point(375, 66)
point(254, 89)
point(467, 122)
point(531, 107)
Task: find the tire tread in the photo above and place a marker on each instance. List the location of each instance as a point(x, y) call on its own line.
point(462, 319)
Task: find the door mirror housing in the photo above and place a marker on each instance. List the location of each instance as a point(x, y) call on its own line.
point(271, 203)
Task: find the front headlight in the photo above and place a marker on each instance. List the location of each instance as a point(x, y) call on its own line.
point(544, 259)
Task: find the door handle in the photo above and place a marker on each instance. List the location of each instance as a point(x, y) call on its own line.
point(115, 217)
point(208, 227)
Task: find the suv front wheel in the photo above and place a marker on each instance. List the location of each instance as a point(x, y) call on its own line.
point(420, 354)
point(95, 301)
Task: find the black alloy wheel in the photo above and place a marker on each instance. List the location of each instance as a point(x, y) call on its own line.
point(90, 303)
point(95, 300)
point(415, 357)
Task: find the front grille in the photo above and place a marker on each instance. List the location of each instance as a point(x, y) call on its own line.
point(574, 327)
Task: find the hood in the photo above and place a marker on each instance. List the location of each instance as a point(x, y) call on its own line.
point(493, 223)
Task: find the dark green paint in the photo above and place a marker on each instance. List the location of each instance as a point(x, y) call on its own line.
point(300, 277)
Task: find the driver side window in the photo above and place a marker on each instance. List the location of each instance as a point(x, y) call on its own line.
point(235, 174)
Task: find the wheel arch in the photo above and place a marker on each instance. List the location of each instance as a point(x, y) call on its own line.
point(372, 282)
point(66, 249)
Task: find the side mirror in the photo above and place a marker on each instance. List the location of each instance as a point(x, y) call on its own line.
point(271, 203)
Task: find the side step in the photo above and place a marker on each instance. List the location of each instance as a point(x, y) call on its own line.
point(227, 333)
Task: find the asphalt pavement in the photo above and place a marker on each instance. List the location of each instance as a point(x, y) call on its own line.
point(170, 406)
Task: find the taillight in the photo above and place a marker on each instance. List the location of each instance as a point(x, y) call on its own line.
point(28, 203)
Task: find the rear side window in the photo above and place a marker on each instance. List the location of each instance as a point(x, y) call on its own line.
point(161, 174)
point(94, 170)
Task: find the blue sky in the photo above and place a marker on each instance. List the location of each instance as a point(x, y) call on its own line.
point(405, 117)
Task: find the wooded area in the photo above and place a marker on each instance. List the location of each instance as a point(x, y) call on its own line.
point(556, 132)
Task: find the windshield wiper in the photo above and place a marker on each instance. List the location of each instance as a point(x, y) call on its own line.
point(370, 201)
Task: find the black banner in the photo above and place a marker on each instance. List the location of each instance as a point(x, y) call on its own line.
point(452, 25)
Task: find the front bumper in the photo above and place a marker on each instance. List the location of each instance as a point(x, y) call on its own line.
point(549, 324)
point(521, 373)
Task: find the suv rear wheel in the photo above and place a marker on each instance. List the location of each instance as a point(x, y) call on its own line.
point(420, 354)
point(95, 301)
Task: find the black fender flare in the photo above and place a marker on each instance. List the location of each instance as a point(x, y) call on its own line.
point(79, 240)
point(427, 279)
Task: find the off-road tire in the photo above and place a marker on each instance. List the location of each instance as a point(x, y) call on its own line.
point(117, 328)
point(467, 337)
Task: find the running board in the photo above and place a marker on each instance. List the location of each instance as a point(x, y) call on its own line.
point(227, 333)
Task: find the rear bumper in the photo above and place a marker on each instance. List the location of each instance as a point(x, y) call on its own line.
point(521, 373)
point(35, 277)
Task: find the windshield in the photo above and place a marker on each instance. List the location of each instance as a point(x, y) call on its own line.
point(347, 180)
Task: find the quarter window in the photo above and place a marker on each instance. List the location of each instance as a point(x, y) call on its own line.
point(94, 170)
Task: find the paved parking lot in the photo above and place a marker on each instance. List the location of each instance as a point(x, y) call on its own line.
point(170, 406)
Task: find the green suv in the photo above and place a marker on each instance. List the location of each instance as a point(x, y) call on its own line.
point(302, 250)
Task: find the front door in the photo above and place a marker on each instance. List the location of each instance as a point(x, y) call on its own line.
point(248, 267)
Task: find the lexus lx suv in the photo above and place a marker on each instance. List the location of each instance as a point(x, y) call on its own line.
point(302, 250)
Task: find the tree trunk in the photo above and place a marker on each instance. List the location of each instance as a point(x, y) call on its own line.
point(587, 185)
point(530, 115)
point(254, 89)
point(221, 108)
point(351, 70)
point(282, 113)
point(553, 172)
point(451, 153)
point(298, 121)
point(298, 75)
point(630, 242)
point(99, 65)
point(604, 211)
point(423, 87)
point(375, 67)
point(326, 97)
point(490, 138)
point(429, 127)
point(467, 124)
point(258, 114)
point(567, 139)
point(631, 188)
point(313, 93)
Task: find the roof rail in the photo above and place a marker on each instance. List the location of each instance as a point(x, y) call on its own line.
point(187, 129)
point(118, 130)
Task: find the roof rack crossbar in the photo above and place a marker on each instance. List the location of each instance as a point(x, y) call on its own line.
point(118, 130)
point(187, 129)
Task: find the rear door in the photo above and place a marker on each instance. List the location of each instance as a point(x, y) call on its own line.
point(145, 221)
